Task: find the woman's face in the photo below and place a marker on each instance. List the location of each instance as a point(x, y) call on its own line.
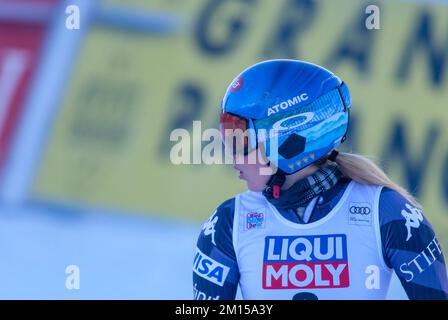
point(256, 173)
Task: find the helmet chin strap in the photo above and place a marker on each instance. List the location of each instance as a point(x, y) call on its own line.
point(274, 184)
point(277, 180)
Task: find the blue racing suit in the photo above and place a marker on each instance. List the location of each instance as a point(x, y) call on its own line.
point(416, 257)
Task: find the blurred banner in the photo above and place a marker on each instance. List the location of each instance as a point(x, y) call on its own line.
point(22, 27)
point(110, 143)
point(19, 48)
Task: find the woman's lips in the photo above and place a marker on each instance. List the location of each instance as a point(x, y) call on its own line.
point(240, 172)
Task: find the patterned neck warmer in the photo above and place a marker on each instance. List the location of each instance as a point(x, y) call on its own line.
point(303, 191)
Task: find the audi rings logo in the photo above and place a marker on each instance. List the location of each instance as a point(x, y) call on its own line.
point(360, 213)
point(360, 210)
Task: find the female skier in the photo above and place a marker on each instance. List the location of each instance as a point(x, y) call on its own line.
point(315, 223)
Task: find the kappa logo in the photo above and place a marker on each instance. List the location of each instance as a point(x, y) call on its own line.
point(413, 218)
point(360, 213)
point(209, 226)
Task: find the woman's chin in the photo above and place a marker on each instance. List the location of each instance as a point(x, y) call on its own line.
point(254, 188)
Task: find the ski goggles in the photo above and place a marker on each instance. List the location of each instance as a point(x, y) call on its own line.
point(239, 135)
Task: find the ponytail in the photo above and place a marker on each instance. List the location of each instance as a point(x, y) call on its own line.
point(364, 170)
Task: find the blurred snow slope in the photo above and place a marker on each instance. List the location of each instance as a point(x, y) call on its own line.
point(119, 256)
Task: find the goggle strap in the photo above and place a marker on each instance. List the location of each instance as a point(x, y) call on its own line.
point(345, 95)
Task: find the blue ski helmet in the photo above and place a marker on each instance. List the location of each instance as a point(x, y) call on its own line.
point(305, 105)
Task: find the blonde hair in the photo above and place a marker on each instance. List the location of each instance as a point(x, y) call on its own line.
point(364, 170)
